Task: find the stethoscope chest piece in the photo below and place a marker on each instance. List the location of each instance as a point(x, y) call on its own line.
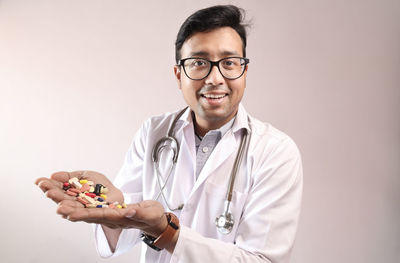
point(224, 223)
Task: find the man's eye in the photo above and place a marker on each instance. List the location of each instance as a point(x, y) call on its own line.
point(229, 63)
point(199, 63)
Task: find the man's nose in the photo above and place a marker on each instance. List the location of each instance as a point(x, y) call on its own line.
point(215, 77)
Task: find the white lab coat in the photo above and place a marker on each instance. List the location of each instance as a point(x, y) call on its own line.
point(266, 197)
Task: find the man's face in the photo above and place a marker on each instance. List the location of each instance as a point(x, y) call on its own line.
point(215, 99)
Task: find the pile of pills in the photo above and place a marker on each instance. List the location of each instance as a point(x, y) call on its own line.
point(91, 195)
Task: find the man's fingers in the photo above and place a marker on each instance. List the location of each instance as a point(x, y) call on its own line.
point(46, 184)
point(60, 176)
point(112, 217)
point(58, 195)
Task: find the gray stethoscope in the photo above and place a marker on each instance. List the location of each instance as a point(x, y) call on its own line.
point(223, 222)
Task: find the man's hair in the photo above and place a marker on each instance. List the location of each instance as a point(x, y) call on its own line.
point(211, 18)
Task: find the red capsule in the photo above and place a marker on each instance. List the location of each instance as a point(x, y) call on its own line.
point(92, 195)
point(66, 184)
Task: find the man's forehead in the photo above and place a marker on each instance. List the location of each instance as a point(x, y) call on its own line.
point(219, 42)
point(207, 53)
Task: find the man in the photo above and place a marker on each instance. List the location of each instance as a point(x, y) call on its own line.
point(215, 136)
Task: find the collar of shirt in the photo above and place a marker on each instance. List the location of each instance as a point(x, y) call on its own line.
point(215, 134)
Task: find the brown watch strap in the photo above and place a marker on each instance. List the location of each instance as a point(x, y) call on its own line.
point(165, 238)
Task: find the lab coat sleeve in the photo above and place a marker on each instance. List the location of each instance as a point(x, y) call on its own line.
point(269, 221)
point(129, 181)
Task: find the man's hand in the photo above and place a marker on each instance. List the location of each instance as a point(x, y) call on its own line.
point(53, 186)
point(147, 215)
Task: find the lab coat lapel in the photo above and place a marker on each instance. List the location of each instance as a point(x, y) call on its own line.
point(224, 149)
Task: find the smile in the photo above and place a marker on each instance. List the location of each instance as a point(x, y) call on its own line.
point(214, 96)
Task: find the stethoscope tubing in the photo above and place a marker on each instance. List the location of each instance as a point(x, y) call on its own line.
point(160, 146)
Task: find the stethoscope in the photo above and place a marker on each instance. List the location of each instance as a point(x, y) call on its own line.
point(223, 222)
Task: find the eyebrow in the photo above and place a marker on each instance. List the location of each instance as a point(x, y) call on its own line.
point(206, 54)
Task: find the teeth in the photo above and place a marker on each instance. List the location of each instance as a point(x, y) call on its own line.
point(214, 96)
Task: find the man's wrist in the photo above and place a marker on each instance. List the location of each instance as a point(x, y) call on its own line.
point(168, 238)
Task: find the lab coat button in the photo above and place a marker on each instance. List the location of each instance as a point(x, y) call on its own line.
point(205, 149)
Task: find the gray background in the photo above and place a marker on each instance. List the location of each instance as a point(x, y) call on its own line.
point(77, 78)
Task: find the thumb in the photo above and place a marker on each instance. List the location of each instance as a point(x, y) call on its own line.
point(130, 213)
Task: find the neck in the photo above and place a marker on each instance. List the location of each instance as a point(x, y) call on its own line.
point(201, 127)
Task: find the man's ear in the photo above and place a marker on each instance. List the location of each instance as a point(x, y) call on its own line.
point(245, 70)
point(177, 72)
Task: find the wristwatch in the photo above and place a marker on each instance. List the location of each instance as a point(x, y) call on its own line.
point(165, 238)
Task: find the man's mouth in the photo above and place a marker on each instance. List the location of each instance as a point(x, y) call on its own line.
point(214, 96)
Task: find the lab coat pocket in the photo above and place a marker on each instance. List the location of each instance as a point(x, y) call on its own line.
point(216, 196)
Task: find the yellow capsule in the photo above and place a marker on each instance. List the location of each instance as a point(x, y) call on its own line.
point(104, 196)
point(119, 206)
point(83, 181)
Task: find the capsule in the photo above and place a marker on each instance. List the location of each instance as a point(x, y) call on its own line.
point(85, 188)
point(92, 195)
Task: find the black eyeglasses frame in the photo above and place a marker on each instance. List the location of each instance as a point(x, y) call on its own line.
point(181, 62)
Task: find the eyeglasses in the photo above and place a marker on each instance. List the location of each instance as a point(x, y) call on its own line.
point(199, 68)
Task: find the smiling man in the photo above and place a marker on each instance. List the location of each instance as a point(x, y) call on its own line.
point(213, 90)
point(208, 183)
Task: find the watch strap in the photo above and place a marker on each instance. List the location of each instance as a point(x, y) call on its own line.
point(166, 237)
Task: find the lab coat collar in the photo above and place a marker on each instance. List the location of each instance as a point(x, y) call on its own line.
point(242, 120)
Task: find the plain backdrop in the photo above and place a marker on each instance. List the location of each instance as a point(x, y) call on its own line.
point(77, 79)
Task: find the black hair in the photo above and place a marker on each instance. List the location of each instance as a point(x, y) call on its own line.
point(211, 18)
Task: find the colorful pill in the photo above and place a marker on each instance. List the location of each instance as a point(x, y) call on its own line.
point(97, 189)
point(73, 179)
point(69, 192)
point(92, 195)
point(104, 196)
point(83, 181)
point(85, 188)
point(75, 190)
point(119, 206)
point(99, 206)
point(88, 199)
point(81, 200)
